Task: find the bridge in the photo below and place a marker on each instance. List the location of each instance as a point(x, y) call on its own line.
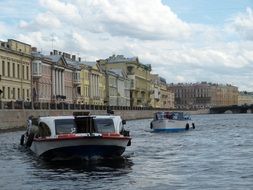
point(232, 109)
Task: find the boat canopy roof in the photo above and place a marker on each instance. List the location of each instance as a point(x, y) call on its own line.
point(171, 115)
point(55, 125)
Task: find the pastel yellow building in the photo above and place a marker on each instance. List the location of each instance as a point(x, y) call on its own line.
point(85, 85)
point(139, 75)
point(155, 94)
point(161, 96)
point(170, 99)
point(92, 84)
point(164, 94)
point(15, 70)
point(245, 98)
point(203, 95)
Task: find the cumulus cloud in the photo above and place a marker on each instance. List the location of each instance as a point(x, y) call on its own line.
point(145, 19)
point(243, 24)
point(177, 50)
point(48, 20)
point(3, 28)
point(64, 11)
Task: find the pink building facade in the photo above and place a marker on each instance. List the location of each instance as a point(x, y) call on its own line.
point(56, 77)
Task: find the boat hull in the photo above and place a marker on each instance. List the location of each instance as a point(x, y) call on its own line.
point(85, 148)
point(168, 125)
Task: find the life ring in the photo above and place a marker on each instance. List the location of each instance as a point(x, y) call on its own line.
point(193, 125)
point(187, 126)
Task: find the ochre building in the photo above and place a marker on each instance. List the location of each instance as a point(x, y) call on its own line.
point(203, 95)
point(139, 75)
point(15, 71)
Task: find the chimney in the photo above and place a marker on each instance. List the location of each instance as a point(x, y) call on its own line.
point(55, 52)
point(51, 53)
point(79, 59)
point(34, 49)
point(59, 52)
point(73, 57)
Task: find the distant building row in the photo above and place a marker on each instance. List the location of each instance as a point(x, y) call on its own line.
point(28, 75)
point(204, 95)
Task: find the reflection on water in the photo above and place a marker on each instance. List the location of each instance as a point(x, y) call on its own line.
point(88, 165)
point(218, 154)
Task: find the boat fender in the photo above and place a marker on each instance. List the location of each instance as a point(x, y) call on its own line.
point(187, 126)
point(193, 125)
point(151, 125)
point(22, 139)
point(29, 140)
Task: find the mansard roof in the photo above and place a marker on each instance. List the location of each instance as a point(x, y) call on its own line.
point(37, 55)
point(57, 59)
point(90, 63)
point(163, 80)
point(121, 58)
point(114, 59)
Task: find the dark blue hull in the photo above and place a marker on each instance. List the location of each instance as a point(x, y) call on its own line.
point(170, 130)
point(83, 152)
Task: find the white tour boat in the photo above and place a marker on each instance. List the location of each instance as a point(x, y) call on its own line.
point(171, 122)
point(68, 137)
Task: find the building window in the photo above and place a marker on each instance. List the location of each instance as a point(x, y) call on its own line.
point(3, 68)
point(27, 93)
point(13, 70)
point(35, 68)
point(4, 92)
point(8, 69)
point(27, 72)
point(18, 70)
point(9, 93)
point(23, 72)
point(14, 93)
point(18, 93)
point(23, 94)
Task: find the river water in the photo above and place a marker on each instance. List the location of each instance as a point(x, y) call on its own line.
point(218, 154)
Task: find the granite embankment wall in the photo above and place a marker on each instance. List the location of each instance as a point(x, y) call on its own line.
point(16, 119)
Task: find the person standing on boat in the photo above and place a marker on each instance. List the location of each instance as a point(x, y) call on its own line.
point(29, 124)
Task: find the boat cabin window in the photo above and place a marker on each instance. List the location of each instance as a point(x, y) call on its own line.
point(44, 130)
point(85, 124)
point(104, 125)
point(164, 115)
point(159, 116)
point(64, 126)
point(179, 116)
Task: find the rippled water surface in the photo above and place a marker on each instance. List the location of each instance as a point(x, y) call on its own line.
point(218, 154)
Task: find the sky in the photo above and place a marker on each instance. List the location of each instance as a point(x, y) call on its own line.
point(184, 41)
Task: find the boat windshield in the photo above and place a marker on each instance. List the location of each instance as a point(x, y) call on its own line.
point(64, 126)
point(104, 125)
point(163, 115)
point(171, 115)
